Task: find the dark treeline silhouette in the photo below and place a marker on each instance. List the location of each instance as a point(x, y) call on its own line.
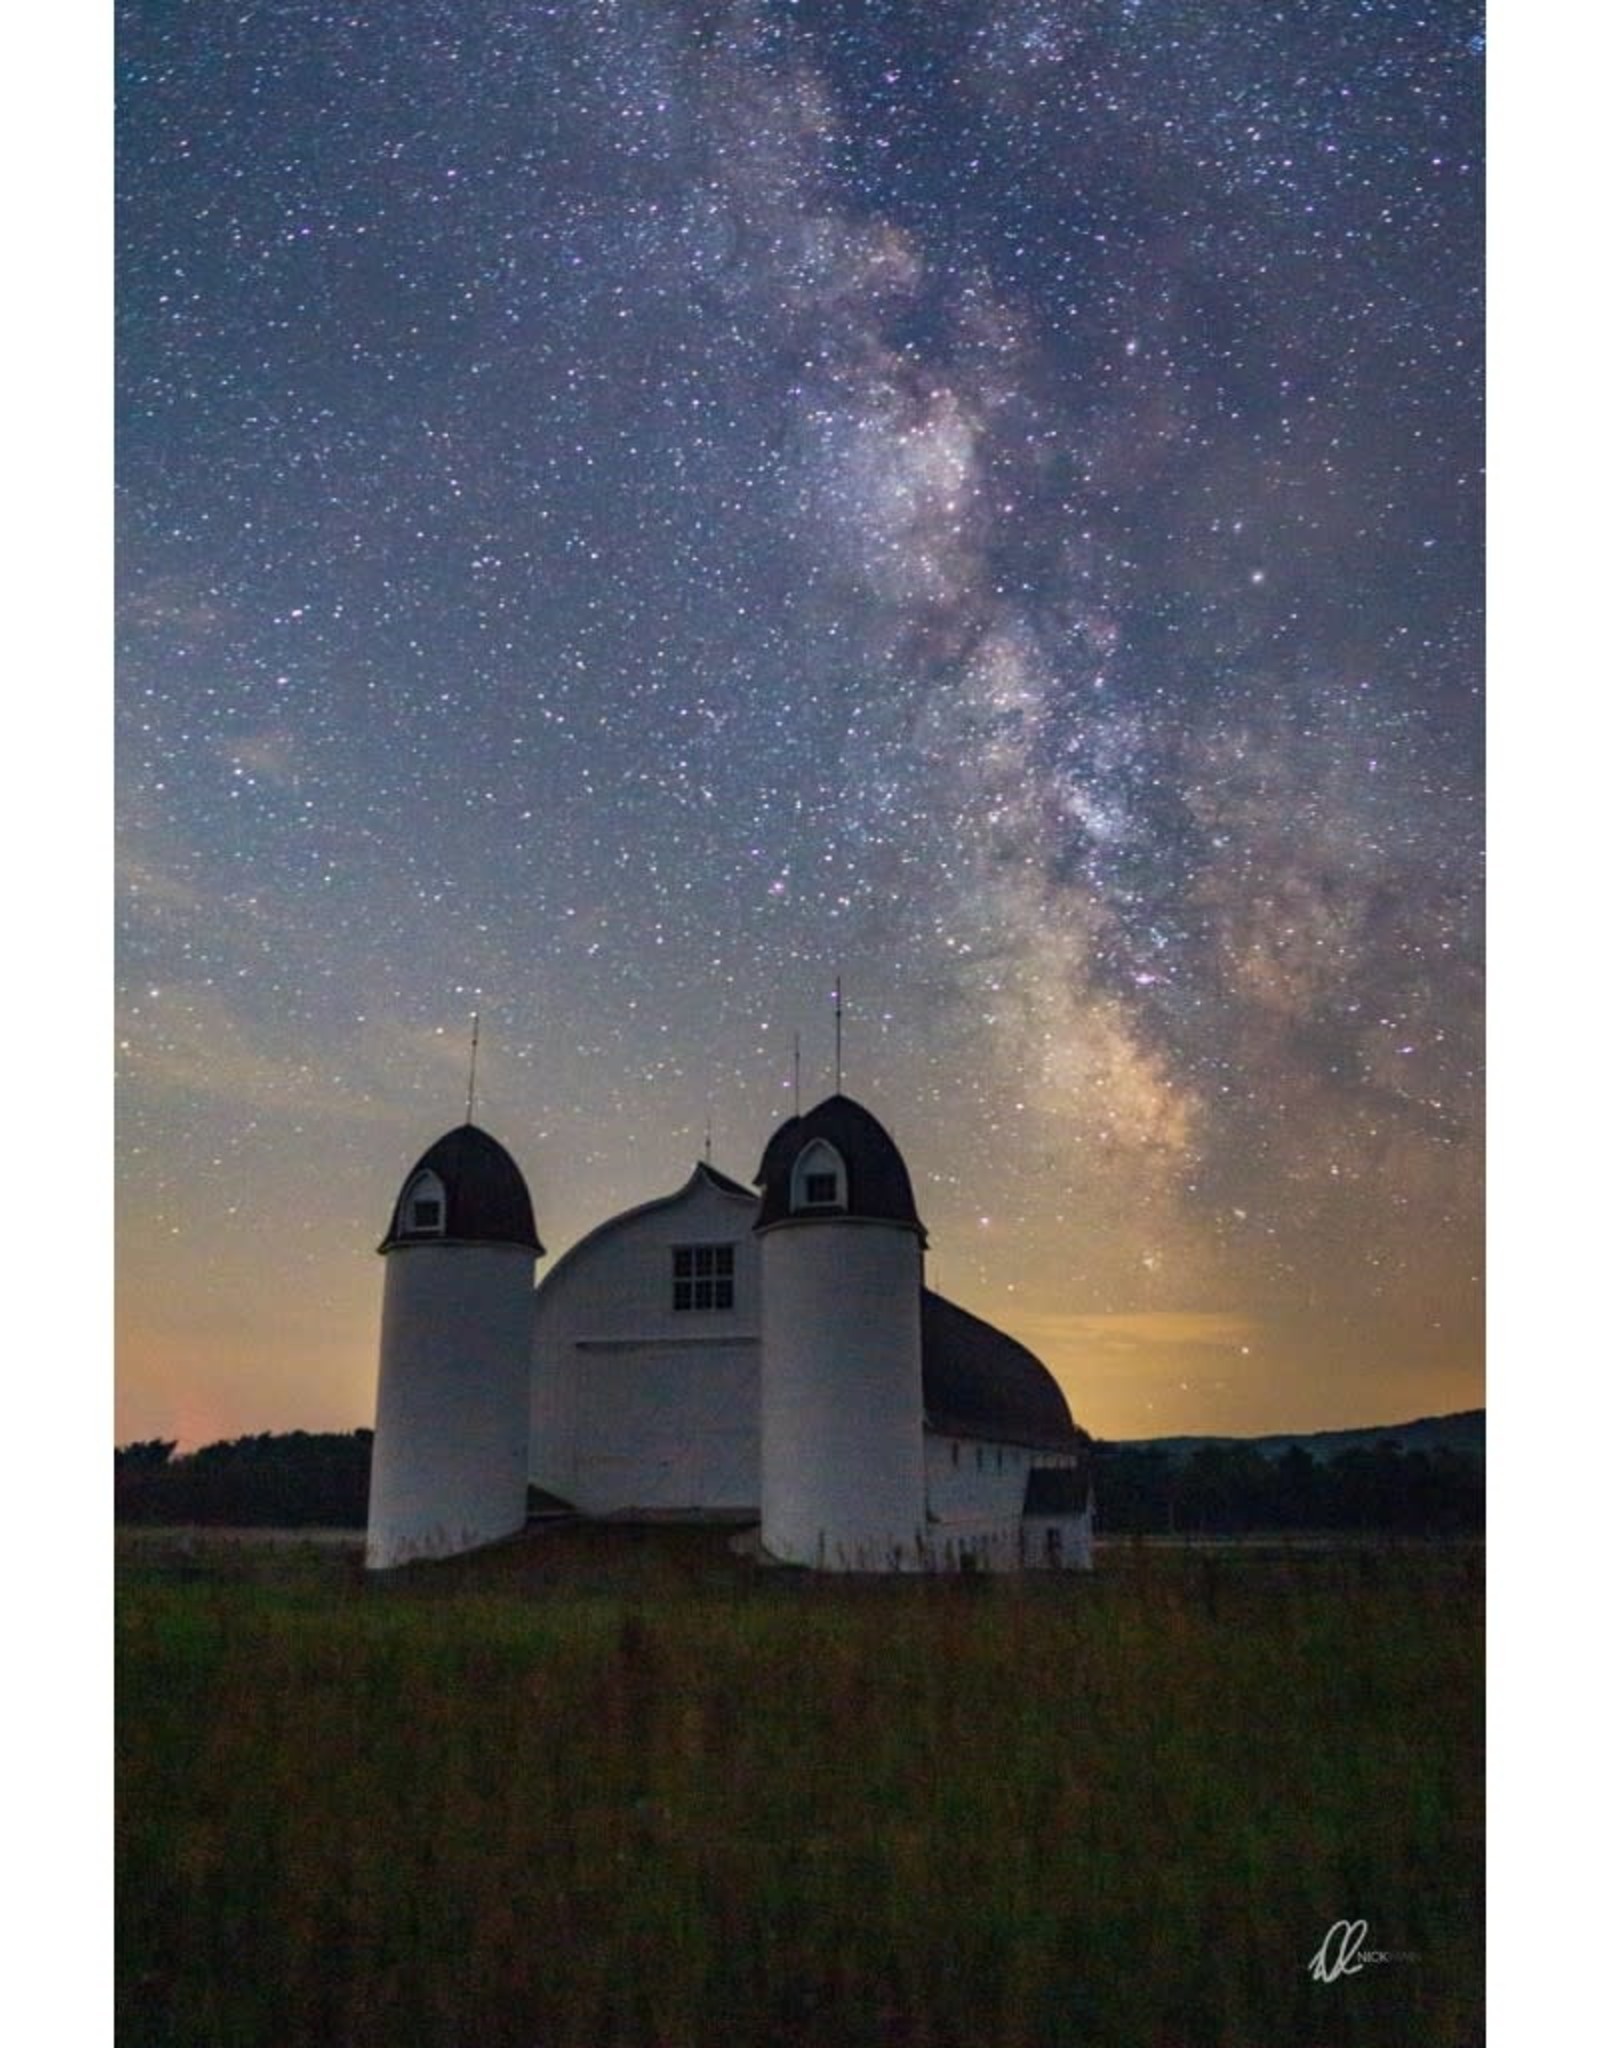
point(301, 1480)
point(297, 1481)
point(1233, 1489)
point(144, 1457)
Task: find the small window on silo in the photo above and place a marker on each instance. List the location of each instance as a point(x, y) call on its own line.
point(424, 1206)
point(818, 1180)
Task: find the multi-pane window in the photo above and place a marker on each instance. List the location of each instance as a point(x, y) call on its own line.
point(821, 1188)
point(702, 1276)
point(425, 1213)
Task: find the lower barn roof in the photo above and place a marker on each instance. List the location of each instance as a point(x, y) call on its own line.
point(1056, 1490)
point(978, 1382)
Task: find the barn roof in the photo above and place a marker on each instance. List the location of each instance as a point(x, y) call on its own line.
point(878, 1187)
point(978, 1382)
point(704, 1172)
point(486, 1200)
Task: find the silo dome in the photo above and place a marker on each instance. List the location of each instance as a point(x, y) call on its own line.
point(465, 1189)
point(835, 1161)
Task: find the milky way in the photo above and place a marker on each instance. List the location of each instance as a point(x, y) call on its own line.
point(629, 510)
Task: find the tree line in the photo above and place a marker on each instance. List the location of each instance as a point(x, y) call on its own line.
point(310, 1480)
point(1234, 1489)
point(302, 1480)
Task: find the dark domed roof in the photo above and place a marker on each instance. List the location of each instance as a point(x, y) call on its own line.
point(486, 1200)
point(764, 1170)
point(978, 1382)
point(877, 1186)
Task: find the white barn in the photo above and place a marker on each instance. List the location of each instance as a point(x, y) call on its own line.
point(765, 1356)
point(638, 1404)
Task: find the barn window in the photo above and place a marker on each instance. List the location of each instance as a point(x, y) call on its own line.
point(702, 1276)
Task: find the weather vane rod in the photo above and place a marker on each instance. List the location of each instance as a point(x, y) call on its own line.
point(472, 1070)
point(797, 1073)
point(838, 1034)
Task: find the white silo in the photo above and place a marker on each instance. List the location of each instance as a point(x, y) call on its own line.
point(843, 1483)
point(450, 1447)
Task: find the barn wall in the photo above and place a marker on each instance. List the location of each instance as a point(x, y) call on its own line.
point(666, 1426)
point(975, 1510)
point(635, 1404)
point(976, 1543)
point(968, 1480)
point(1059, 1542)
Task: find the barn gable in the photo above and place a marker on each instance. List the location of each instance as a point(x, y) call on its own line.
point(646, 1358)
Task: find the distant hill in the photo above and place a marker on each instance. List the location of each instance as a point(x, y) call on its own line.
point(1462, 1433)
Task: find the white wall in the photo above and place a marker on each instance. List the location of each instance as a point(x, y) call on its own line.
point(635, 1404)
point(450, 1445)
point(975, 1510)
point(843, 1480)
point(970, 1481)
point(974, 1544)
point(666, 1426)
point(1061, 1542)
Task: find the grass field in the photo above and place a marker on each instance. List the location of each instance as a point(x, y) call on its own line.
point(615, 1788)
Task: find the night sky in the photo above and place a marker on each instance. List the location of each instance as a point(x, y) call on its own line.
point(626, 511)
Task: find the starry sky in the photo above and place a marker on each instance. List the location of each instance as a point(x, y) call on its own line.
point(627, 511)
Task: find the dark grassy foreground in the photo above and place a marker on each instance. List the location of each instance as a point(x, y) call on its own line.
point(614, 1787)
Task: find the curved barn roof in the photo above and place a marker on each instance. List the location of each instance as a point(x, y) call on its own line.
point(978, 1382)
point(486, 1200)
point(877, 1185)
point(704, 1174)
